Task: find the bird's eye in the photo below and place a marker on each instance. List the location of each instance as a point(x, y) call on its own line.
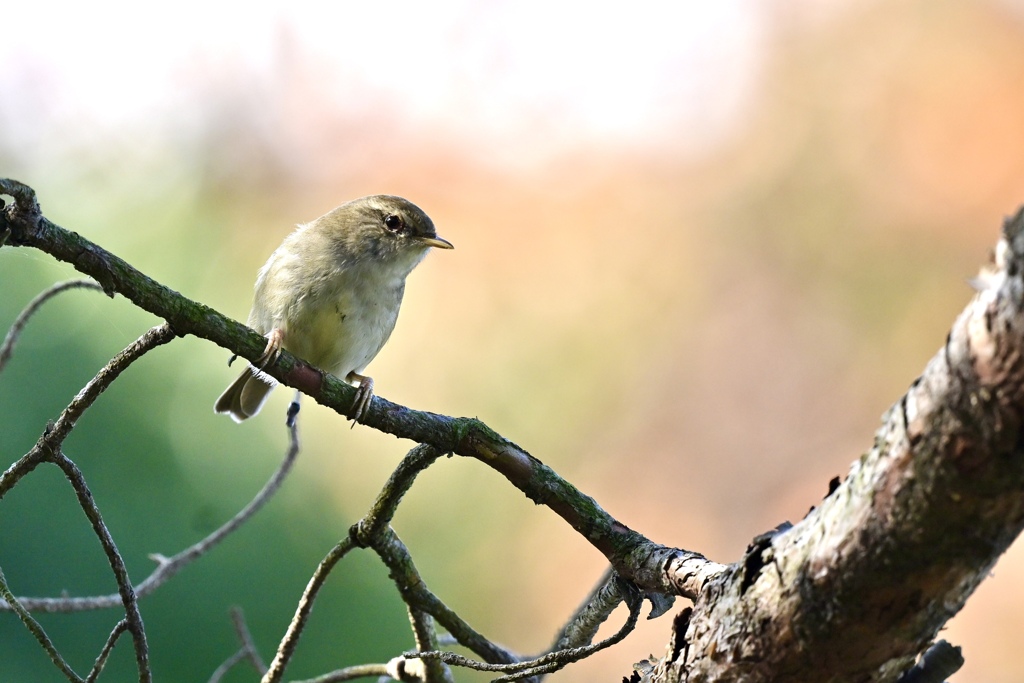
point(393, 223)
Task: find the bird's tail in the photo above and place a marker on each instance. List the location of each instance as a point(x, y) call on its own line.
point(245, 396)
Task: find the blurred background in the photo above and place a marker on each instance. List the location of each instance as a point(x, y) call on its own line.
point(700, 249)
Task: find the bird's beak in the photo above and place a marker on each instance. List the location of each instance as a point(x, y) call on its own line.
point(438, 242)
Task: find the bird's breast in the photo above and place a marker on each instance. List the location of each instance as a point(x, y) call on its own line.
point(343, 321)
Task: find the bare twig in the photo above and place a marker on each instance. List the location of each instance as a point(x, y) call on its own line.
point(351, 673)
point(383, 510)
point(25, 207)
point(228, 664)
point(167, 567)
point(373, 531)
point(48, 445)
point(7, 348)
point(415, 593)
point(291, 637)
point(248, 644)
point(548, 663)
point(101, 659)
point(48, 448)
point(425, 636)
point(602, 601)
point(369, 529)
point(124, 584)
point(246, 651)
point(36, 629)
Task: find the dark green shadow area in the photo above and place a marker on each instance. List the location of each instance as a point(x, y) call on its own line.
point(154, 502)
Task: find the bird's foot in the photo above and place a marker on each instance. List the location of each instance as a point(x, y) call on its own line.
point(364, 394)
point(275, 342)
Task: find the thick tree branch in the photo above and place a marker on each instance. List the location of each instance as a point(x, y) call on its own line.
point(861, 586)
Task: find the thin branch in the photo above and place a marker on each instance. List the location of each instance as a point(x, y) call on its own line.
point(101, 660)
point(7, 348)
point(598, 606)
point(171, 566)
point(373, 531)
point(633, 556)
point(48, 445)
point(228, 664)
point(291, 637)
point(246, 651)
point(248, 644)
point(351, 673)
point(117, 566)
point(548, 663)
point(36, 629)
point(415, 593)
point(426, 639)
point(167, 567)
point(48, 448)
point(383, 509)
point(371, 527)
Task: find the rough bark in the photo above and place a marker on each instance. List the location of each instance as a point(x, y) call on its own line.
point(859, 587)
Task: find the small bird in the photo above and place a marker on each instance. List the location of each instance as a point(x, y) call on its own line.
point(330, 295)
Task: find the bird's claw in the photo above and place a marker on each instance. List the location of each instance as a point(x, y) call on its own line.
point(275, 342)
point(364, 394)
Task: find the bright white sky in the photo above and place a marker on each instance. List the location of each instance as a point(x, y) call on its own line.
point(488, 68)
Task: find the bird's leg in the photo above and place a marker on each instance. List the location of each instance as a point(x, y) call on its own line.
point(293, 410)
point(275, 341)
point(363, 395)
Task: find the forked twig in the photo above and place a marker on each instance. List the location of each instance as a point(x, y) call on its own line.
point(117, 566)
point(167, 567)
point(248, 644)
point(373, 531)
point(48, 448)
point(549, 663)
point(246, 651)
point(49, 444)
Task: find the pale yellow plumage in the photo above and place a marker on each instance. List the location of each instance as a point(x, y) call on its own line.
point(331, 292)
